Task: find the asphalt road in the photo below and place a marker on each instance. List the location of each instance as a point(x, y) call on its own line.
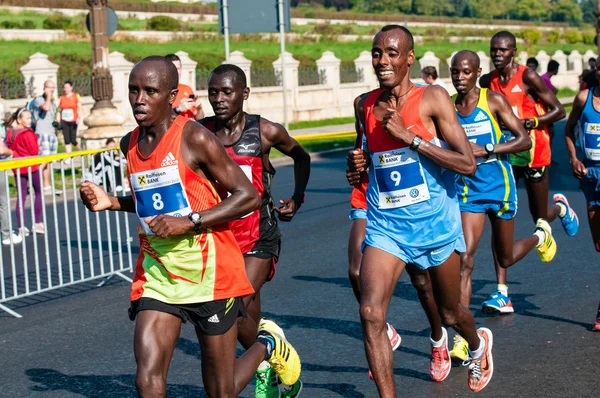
point(77, 341)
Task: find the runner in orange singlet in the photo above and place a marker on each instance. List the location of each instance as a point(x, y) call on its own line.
point(529, 97)
point(190, 267)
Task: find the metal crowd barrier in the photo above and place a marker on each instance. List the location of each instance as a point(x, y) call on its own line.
point(73, 245)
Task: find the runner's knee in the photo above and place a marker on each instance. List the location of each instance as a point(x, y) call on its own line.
point(354, 274)
point(449, 316)
point(421, 284)
point(467, 262)
point(150, 384)
point(372, 317)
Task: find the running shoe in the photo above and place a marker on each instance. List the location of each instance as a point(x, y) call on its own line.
point(38, 228)
point(266, 384)
point(291, 391)
point(395, 341)
point(440, 364)
point(481, 369)
point(547, 250)
point(460, 350)
point(570, 221)
point(497, 304)
point(24, 232)
point(12, 237)
point(284, 358)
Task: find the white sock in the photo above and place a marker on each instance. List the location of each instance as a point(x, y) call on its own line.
point(264, 365)
point(438, 344)
point(502, 288)
point(563, 210)
point(541, 237)
point(478, 352)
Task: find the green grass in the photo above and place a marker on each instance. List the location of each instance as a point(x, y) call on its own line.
point(566, 92)
point(321, 123)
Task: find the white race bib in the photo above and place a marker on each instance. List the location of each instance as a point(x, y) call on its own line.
point(591, 140)
point(68, 115)
point(399, 178)
point(480, 133)
point(159, 191)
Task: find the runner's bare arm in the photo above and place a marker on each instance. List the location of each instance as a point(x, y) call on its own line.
point(208, 156)
point(357, 159)
point(577, 167)
point(437, 105)
point(280, 139)
point(503, 112)
point(535, 83)
point(96, 199)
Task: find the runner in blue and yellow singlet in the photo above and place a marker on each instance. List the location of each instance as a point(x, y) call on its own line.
point(585, 117)
point(414, 144)
point(491, 191)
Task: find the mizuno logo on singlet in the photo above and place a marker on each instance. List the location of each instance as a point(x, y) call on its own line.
point(516, 89)
point(480, 116)
point(247, 148)
point(169, 160)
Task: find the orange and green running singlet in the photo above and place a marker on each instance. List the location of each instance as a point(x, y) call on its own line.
point(188, 268)
point(525, 107)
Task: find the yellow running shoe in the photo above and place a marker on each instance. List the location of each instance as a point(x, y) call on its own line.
point(547, 249)
point(460, 350)
point(284, 358)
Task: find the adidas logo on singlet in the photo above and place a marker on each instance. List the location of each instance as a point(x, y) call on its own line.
point(480, 116)
point(169, 160)
point(516, 89)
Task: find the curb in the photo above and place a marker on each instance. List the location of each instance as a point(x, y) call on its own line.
point(314, 156)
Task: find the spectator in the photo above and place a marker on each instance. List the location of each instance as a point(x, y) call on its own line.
point(107, 168)
point(7, 234)
point(23, 142)
point(3, 117)
point(44, 119)
point(589, 78)
point(551, 71)
point(70, 116)
point(186, 103)
point(430, 76)
point(532, 63)
point(592, 63)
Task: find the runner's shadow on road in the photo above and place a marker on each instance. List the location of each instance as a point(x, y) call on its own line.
point(343, 389)
point(50, 380)
point(310, 367)
point(192, 348)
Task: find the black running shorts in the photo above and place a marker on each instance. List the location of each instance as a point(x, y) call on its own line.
point(536, 174)
point(69, 130)
point(213, 318)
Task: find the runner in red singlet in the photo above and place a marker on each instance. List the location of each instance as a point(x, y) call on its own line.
point(538, 107)
point(248, 139)
point(190, 267)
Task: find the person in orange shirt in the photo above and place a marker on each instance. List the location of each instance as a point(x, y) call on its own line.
point(186, 103)
point(70, 115)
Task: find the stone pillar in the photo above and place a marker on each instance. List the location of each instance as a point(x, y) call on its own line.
point(104, 121)
point(188, 69)
point(36, 72)
point(237, 58)
point(364, 66)
point(291, 70)
point(120, 69)
point(543, 59)
point(576, 59)
point(448, 60)
point(522, 58)
point(484, 62)
point(429, 59)
point(560, 57)
point(588, 54)
point(330, 64)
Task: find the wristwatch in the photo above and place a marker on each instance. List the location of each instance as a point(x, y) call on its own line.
point(529, 124)
point(414, 145)
point(196, 219)
point(489, 148)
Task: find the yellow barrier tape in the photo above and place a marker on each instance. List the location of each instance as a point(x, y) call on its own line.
point(325, 136)
point(10, 164)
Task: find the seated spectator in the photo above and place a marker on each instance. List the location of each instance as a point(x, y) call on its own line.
point(107, 169)
point(430, 76)
point(23, 142)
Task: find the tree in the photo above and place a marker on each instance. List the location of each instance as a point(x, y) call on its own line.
point(566, 11)
point(531, 10)
point(437, 8)
point(381, 6)
point(462, 8)
point(488, 9)
point(587, 9)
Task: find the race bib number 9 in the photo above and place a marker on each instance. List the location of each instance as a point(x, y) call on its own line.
point(480, 134)
point(399, 178)
point(592, 141)
point(159, 191)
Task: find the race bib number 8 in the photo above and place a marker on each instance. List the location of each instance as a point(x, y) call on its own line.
point(480, 134)
point(399, 178)
point(159, 191)
point(592, 141)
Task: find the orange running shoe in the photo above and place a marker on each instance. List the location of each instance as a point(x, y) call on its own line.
point(481, 369)
point(440, 364)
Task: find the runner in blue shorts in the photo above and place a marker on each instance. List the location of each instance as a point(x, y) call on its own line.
point(586, 116)
point(491, 192)
point(415, 143)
